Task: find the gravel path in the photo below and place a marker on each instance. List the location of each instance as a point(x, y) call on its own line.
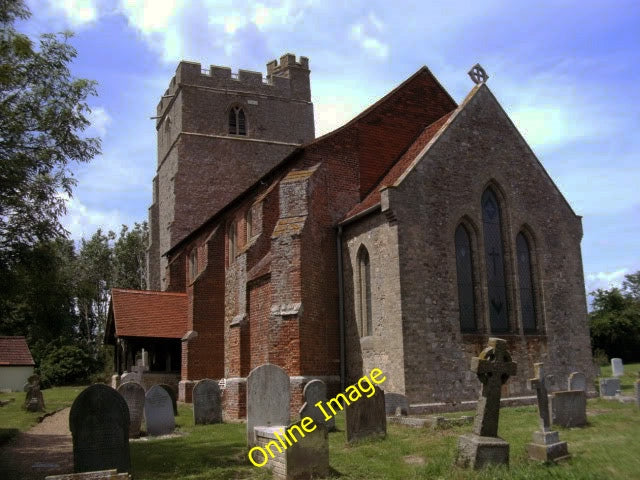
point(44, 450)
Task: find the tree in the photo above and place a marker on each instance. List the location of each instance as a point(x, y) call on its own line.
point(130, 261)
point(615, 320)
point(43, 111)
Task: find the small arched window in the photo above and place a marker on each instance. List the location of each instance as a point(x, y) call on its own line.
point(464, 270)
point(237, 121)
point(525, 284)
point(494, 257)
point(365, 325)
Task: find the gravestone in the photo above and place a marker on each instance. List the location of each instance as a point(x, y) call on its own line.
point(133, 394)
point(316, 391)
point(99, 424)
point(546, 445)
point(482, 447)
point(128, 377)
point(268, 398)
point(366, 417)
point(396, 404)
point(207, 403)
point(172, 394)
point(577, 381)
point(34, 400)
point(158, 412)
point(617, 368)
point(305, 458)
point(569, 408)
point(609, 387)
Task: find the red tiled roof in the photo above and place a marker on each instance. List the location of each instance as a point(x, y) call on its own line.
point(15, 351)
point(399, 167)
point(146, 313)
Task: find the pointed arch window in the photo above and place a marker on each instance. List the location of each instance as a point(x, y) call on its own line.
point(525, 284)
point(464, 270)
point(232, 242)
point(364, 293)
point(494, 256)
point(237, 121)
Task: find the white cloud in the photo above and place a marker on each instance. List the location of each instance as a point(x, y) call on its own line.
point(332, 112)
point(359, 33)
point(100, 120)
point(82, 221)
point(77, 12)
point(150, 15)
point(605, 280)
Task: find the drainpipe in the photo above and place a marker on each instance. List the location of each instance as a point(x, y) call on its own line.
point(343, 366)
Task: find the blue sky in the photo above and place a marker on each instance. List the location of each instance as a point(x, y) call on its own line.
point(565, 71)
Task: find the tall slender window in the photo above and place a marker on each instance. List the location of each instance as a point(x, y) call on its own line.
point(364, 297)
point(232, 243)
point(193, 264)
point(525, 284)
point(237, 121)
point(498, 309)
point(464, 270)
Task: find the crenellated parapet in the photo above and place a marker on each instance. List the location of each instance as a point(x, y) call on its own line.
point(287, 79)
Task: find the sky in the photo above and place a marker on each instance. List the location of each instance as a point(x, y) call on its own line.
point(566, 72)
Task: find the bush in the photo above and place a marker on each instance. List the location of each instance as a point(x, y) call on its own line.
point(67, 365)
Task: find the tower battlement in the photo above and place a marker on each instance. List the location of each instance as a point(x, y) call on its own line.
point(288, 79)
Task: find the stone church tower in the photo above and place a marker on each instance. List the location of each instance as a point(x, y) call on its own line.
point(218, 133)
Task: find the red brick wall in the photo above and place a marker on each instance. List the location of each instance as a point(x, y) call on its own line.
point(259, 301)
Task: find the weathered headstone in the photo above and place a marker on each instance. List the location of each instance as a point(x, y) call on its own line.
point(577, 381)
point(207, 403)
point(99, 424)
point(172, 394)
point(158, 412)
point(34, 400)
point(316, 391)
point(396, 404)
point(617, 368)
point(133, 394)
point(366, 417)
point(305, 458)
point(482, 447)
point(268, 398)
point(128, 377)
point(546, 445)
point(569, 408)
point(609, 387)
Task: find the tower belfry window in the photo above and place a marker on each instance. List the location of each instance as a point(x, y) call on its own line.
point(237, 121)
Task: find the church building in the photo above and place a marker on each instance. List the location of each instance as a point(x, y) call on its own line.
point(402, 241)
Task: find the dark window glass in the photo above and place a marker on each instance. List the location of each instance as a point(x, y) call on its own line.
point(525, 283)
point(233, 128)
point(464, 271)
point(241, 123)
point(498, 309)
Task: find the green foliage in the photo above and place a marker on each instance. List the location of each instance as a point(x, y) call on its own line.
point(130, 264)
point(67, 365)
point(615, 320)
point(43, 112)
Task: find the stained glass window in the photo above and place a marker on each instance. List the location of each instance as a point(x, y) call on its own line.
point(464, 270)
point(525, 283)
point(364, 300)
point(498, 308)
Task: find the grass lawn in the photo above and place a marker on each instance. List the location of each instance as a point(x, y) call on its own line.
point(608, 448)
point(14, 419)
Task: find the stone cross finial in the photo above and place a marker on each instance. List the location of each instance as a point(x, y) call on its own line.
point(538, 384)
point(493, 367)
point(478, 74)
